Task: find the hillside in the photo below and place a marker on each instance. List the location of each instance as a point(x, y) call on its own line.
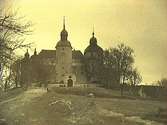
point(77, 106)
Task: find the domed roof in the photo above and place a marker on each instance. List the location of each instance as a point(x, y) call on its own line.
point(77, 54)
point(93, 47)
point(63, 44)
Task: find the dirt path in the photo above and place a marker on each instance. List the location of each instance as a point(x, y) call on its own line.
point(26, 109)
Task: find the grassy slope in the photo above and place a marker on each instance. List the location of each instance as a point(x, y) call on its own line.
point(107, 108)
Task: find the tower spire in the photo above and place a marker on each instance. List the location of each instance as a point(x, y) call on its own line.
point(64, 22)
point(27, 54)
point(64, 33)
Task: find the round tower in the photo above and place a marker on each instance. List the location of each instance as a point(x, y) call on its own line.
point(93, 56)
point(63, 57)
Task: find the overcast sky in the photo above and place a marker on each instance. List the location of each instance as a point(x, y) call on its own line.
point(141, 24)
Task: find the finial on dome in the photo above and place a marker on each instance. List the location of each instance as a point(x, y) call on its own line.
point(35, 51)
point(63, 22)
point(93, 33)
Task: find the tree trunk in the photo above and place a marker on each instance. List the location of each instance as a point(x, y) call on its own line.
point(122, 85)
point(1, 71)
point(6, 86)
point(16, 82)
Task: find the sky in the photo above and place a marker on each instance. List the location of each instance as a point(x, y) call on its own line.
point(140, 24)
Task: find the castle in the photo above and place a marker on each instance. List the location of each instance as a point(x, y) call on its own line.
point(56, 66)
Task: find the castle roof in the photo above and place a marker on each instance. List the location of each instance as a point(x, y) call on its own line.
point(47, 54)
point(77, 54)
point(93, 47)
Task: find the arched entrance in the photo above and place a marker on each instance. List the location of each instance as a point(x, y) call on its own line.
point(70, 82)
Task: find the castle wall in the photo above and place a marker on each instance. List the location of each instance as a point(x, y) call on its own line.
point(78, 71)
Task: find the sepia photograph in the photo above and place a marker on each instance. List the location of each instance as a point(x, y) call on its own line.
point(83, 62)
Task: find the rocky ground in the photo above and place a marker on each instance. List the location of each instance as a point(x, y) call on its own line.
point(77, 106)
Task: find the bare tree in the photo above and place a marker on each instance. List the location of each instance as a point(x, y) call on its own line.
point(13, 30)
point(135, 79)
point(121, 59)
point(109, 73)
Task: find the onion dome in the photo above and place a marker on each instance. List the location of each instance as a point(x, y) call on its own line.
point(63, 40)
point(35, 54)
point(93, 40)
point(64, 34)
point(27, 55)
point(93, 47)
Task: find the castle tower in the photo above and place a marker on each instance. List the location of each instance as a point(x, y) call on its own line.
point(27, 55)
point(93, 56)
point(63, 57)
